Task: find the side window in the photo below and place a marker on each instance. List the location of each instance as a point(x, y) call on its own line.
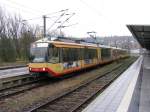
point(90, 53)
point(53, 54)
point(86, 53)
point(105, 53)
point(75, 54)
point(81, 53)
point(64, 54)
point(95, 53)
point(71, 54)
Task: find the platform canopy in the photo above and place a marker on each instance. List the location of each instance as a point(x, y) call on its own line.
point(142, 34)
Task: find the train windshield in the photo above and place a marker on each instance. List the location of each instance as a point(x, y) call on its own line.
point(38, 52)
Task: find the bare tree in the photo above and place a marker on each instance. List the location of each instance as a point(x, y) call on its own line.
point(7, 52)
point(15, 37)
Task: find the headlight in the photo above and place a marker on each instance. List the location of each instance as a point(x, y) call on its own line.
point(43, 69)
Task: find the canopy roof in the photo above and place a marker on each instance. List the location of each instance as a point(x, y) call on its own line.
point(142, 34)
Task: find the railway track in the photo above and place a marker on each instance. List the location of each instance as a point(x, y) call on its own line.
point(11, 78)
point(76, 98)
point(17, 89)
point(8, 92)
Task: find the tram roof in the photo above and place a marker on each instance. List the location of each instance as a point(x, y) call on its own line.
point(142, 34)
point(69, 42)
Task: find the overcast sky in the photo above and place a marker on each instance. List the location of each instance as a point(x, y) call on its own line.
point(106, 17)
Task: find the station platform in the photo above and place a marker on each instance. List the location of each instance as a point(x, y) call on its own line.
point(130, 92)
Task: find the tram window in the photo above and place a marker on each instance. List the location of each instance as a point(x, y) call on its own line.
point(96, 53)
point(60, 55)
point(65, 54)
point(74, 54)
point(71, 54)
point(105, 53)
point(86, 54)
point(90, 53)
point(80, 53)
point(93, 53)
point(53, 54)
